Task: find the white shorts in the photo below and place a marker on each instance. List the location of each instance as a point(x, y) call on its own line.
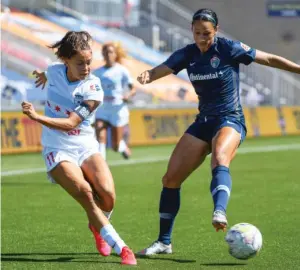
point(53, 156)
point(116, 115)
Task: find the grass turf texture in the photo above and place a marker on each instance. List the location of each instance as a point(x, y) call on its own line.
point(44, 228)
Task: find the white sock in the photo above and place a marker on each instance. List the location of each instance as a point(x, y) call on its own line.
point(102, 150)
point(122, 146)
point(111, 237)
point(107, 214)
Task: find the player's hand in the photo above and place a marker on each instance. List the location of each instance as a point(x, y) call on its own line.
point(41, 79)
point(144, 77)
point(29, 110)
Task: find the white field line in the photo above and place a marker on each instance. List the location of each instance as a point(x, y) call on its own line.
point(153, 159)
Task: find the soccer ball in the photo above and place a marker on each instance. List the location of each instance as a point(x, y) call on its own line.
point(244, 241)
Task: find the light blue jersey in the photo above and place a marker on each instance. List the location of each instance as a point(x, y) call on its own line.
point(115, 81)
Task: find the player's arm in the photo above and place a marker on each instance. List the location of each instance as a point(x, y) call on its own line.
point(131, 93)
point(276, 61)
point(175, 63)
point(65, 124)
point(156, 73)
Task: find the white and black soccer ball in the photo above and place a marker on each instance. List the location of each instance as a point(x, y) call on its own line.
point(244, 241)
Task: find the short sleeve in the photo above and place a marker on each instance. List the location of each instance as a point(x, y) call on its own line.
point(177, 61)
point(52, 70)
point(93, 90)
point(126, 78)
point(241, 52)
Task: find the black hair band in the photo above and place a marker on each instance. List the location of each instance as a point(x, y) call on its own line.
point(206, 16)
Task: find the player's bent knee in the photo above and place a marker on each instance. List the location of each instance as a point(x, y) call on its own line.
point(220, 158)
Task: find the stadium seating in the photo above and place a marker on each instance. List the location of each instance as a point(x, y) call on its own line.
point(41, 32)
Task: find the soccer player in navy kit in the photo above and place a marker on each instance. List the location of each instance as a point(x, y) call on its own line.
point(212, 64)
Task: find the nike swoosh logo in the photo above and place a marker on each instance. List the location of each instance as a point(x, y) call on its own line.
point(191, 64)
point(230, 122)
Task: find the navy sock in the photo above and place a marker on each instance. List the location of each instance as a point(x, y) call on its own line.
point(220, 187)
point(168, 209)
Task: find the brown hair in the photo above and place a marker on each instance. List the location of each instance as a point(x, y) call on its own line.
point(71, 43)
point(120, 52)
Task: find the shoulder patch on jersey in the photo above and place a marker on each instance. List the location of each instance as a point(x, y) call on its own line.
point(95, 87)
point(245, 47)
point(215, 61)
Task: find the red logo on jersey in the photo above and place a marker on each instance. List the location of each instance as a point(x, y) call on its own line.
point(74, 132)
point(95, 87)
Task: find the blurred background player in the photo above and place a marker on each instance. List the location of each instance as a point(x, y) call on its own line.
point(212, 64)
point(252, 101)
point(70, 149)
point(118, 89)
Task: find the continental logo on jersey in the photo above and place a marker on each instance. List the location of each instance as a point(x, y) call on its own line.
point(245, 47)
point(95, 87)
point(201, 77)
point(215, 61)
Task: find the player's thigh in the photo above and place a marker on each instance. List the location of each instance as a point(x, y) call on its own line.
point(98, 174)
point(224, 146)
point(187, 156)
point(70, 177)
point(101, 130)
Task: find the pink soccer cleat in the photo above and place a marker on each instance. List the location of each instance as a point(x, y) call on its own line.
point(127, 256)
point(103, 248)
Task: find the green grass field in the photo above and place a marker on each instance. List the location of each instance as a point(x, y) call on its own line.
point(43, 228)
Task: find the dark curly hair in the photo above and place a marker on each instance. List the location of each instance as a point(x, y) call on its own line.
point(71, 43)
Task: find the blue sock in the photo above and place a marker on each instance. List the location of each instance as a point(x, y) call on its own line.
point(220, 187)
point(168, 209)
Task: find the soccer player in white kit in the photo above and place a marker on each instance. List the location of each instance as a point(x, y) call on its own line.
point(70, 149)
point(118, 89)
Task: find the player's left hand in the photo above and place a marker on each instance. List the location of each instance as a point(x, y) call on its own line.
point(41, 78)
point(29, 110)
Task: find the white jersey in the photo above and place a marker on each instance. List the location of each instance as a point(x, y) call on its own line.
point(62, 98)
point(115, 81)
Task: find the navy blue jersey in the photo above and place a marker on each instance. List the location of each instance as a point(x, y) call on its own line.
point(214, 74)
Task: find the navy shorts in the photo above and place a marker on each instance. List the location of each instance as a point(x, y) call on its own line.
point(205, 128)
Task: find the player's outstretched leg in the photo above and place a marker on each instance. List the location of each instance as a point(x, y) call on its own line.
point(168, 209)
point(224, 146)
point(70, 177)
point(188, 155)
point(220, 190)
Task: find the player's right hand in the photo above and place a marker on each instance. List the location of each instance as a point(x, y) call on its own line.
point(28, 109)
point(144, 77)
point(41, 78)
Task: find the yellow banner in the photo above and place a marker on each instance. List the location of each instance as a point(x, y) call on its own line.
point(19, 134)
point(159, 126)
point(148, 127)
